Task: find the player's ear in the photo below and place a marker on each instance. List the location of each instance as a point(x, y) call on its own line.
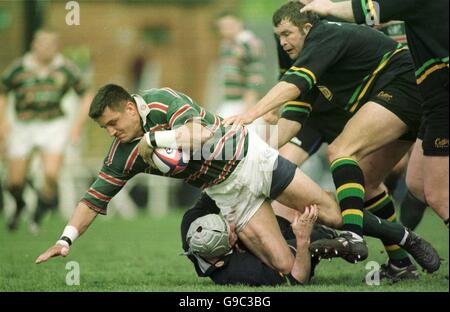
point(130, 107)
point(307, 27)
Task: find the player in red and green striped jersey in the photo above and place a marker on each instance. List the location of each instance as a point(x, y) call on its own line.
point(38, 81)
point(234, 166)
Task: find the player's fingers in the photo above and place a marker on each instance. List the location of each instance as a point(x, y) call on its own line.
point(44, 257)
point(305, 9)
point(305, 214)
point(312, 211)
point(64, 251)
point(316, 212)
point(228, 121)
point(235, 124)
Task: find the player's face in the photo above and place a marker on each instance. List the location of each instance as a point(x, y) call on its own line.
point(291, 38)
point(45, 46)
point(229, 27)
point(124, 125)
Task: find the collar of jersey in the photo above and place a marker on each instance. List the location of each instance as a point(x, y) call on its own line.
point(142, 107)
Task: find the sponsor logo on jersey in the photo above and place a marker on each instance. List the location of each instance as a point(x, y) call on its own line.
point(326, 92)
point(441, 143)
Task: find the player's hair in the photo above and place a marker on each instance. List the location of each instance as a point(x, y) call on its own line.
point(113, 96)
point(291, 12)
point(46, 30)
point(226, 13)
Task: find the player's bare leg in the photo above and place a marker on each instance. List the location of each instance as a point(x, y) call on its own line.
point(262, 236)
point(16, 179)
point(303, 191)
point(378, 165)
point(293, 153)
point(436, 184)
point(414, 174)
point(371, 128)
point(427, 179)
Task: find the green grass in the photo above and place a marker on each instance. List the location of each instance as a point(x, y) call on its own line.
point(142, 255)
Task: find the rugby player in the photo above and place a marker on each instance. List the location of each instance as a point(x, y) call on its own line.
point(212, 246)
point(235, 167)
point(359, 71)
point(426, 24)
point(39, 80)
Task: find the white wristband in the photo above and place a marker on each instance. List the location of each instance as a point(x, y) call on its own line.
point(71, 233)
point(166, 139)
point(62, 243)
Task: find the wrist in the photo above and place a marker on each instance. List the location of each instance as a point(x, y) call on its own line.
point(302, 239)
point(69, 235)
point(166, 139)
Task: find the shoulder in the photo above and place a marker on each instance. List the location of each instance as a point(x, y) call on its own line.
point(70, 66)
point(249, 40)
point(162, 95)
point(15, 66)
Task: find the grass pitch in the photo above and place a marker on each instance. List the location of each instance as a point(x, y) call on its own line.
point(142, 255)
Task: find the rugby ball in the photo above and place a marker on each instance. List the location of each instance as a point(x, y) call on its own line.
point(169, 161)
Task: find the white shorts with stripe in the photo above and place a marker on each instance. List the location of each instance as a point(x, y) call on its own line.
point(244, 191)
point(48, 136)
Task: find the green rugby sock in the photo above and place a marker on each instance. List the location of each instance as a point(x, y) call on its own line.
point(349, 181)
point(382, 206)
point(389, 233)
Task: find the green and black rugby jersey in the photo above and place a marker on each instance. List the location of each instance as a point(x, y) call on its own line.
point(38, 93)
point(346, 63)
point(426, 30)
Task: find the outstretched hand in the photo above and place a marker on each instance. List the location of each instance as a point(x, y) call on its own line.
point(303, 224)
point(237, 121)
point(54, 251)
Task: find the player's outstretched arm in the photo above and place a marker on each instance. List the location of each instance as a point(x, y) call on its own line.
point(78, 224)
point(341, 10)
point(281, 93)
point(85, 103)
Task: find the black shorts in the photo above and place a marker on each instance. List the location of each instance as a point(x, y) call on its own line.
point(308, 139)
point(434, 129)
point(321, 127)
point(282, 176)
point(402, 97)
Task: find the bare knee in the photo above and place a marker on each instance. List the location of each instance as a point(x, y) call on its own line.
point(330, 213)
point(335, 220)
point(335, 152)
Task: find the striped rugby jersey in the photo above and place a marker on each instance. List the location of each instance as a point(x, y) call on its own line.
point(241, 65)
point(427, 32)
point(164, 109)
point(344, 62)
point(38, 93)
